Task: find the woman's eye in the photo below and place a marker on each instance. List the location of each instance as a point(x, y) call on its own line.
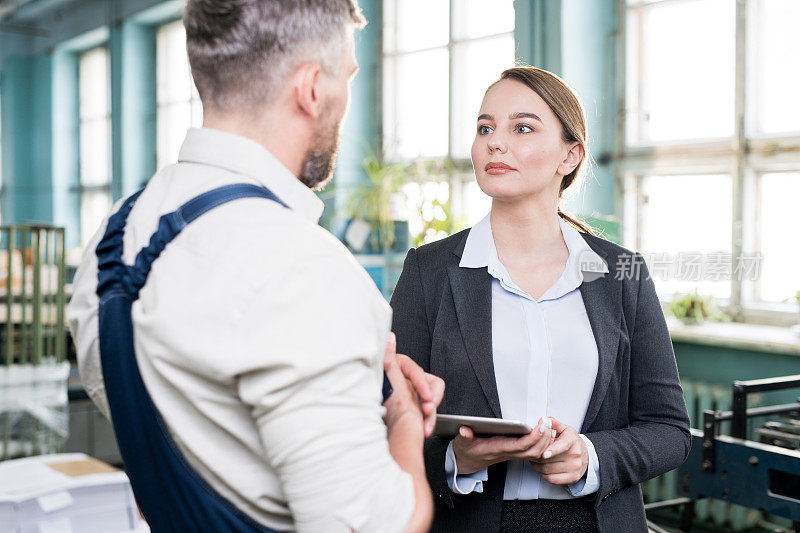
point(522, 128)
point(483, 130)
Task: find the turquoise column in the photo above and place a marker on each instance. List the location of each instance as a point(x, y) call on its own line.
point(588, 49)
point(66, 159)
point(537, 33)
point(27, 140)
point(576, 39)
point(136, 140)
point(363, 123)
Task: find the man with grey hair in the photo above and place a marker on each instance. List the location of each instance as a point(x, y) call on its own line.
point(258, 338)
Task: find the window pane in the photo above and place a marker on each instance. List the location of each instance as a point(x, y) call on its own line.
point(178, 104)
point(686, 224)
point(775, 85)
point(418, 24)
point(95, 117)
point(416, 105)
point(173, 121)
point(476, 18)
point(477, 64)
point(777, 279)
point(173, 79)
point(95, 205)
point(94, 84)
point(95, 161)
point(680, 58)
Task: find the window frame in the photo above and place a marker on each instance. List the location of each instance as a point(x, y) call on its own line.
point(81, 188)
point(745, 156)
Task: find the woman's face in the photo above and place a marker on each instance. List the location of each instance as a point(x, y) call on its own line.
point(518, 149)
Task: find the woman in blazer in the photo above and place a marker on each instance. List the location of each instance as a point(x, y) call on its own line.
point(528, 315)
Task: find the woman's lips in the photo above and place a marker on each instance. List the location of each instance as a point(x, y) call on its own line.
point(498, 168)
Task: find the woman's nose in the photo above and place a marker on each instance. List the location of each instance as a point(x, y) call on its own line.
point(496, 144)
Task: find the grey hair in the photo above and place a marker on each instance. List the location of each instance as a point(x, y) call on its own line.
point(241, 51)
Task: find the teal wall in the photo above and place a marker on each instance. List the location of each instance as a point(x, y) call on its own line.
point(362, 127)
point(26, 93)
point(719, 365)
point(588, 65)
point(576, 39)
point(66, 199)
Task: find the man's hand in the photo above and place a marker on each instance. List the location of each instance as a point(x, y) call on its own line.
point(404, 404)
point(428, 388)
point(566, 460)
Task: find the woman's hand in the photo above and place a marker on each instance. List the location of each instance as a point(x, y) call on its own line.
point(476, 453)
point(566, 460)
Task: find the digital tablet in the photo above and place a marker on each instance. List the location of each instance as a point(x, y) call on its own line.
point(447, 426)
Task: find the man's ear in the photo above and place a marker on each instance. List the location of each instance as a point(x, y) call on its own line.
point(573, 158)
point(307, 89)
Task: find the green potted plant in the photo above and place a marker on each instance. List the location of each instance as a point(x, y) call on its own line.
point(373, 205)
point(693, 308)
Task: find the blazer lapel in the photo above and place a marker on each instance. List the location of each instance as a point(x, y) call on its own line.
point(472, 294)
point(603, 301)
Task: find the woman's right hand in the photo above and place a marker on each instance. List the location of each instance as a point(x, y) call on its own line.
point(476, 453)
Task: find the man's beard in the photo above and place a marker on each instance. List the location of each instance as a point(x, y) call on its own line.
point(320, 159)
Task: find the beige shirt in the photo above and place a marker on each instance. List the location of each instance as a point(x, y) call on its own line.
point(260, 340)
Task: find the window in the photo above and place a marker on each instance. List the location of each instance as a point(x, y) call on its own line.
point(711, 160)
point(95, 139)
point(439, 56)
point(178, 105)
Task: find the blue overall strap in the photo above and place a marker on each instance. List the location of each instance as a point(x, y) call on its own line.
point(170, 494)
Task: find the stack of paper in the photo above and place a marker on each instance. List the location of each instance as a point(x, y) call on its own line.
point(66, 493)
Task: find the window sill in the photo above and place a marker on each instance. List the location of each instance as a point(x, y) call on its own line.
point(737, 335)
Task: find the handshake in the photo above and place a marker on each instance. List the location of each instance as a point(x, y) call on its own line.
point(416, 394)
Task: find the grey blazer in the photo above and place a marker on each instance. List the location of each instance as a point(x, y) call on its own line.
point(636, 418)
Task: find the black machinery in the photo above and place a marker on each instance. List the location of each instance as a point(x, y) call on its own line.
point(762, 474)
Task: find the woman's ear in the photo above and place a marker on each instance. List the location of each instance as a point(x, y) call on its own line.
point(572, 160)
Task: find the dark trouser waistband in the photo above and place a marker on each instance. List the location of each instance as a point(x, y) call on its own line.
point(546, 515)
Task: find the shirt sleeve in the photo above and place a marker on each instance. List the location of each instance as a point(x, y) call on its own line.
point(83, 322)
point(316, 396)
point(590, 481)
point(462, 483)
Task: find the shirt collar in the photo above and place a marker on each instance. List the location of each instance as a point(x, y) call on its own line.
point(480, 251)
point(245, 156)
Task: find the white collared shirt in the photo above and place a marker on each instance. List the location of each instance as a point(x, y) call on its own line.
point(545, 359)
point(260, 340)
